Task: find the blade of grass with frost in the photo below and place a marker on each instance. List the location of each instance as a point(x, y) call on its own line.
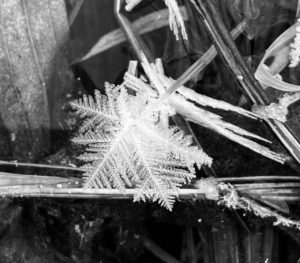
point(231, 199)
point(228, 130)
point(207, 101)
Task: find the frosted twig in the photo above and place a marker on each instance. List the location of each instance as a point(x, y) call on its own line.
point(231, 199)
point(208, 101)
point(204, 117)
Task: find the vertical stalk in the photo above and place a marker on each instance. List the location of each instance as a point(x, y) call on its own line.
point(249, 85)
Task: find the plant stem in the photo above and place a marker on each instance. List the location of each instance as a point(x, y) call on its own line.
point(54, 192)
point(16, 185)
point(250, 86)
point(41, 165)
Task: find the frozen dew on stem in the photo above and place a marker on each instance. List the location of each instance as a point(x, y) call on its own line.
point(277, 110)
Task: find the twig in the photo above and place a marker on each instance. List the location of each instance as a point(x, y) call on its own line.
point(249, 85)
point(41, 165)
point(259, 178)
point(56, 192)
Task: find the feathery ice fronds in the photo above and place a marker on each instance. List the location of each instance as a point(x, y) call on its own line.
point(128, 149)
point(175, 18)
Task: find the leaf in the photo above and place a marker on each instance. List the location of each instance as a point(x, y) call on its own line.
point(30, 37)
point(279, 49)
point(142, 25)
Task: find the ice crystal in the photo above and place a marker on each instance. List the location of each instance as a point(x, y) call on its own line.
point(210, 187)
point(126, 148)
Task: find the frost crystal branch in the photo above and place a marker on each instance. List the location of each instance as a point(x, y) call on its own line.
point(127, 149)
